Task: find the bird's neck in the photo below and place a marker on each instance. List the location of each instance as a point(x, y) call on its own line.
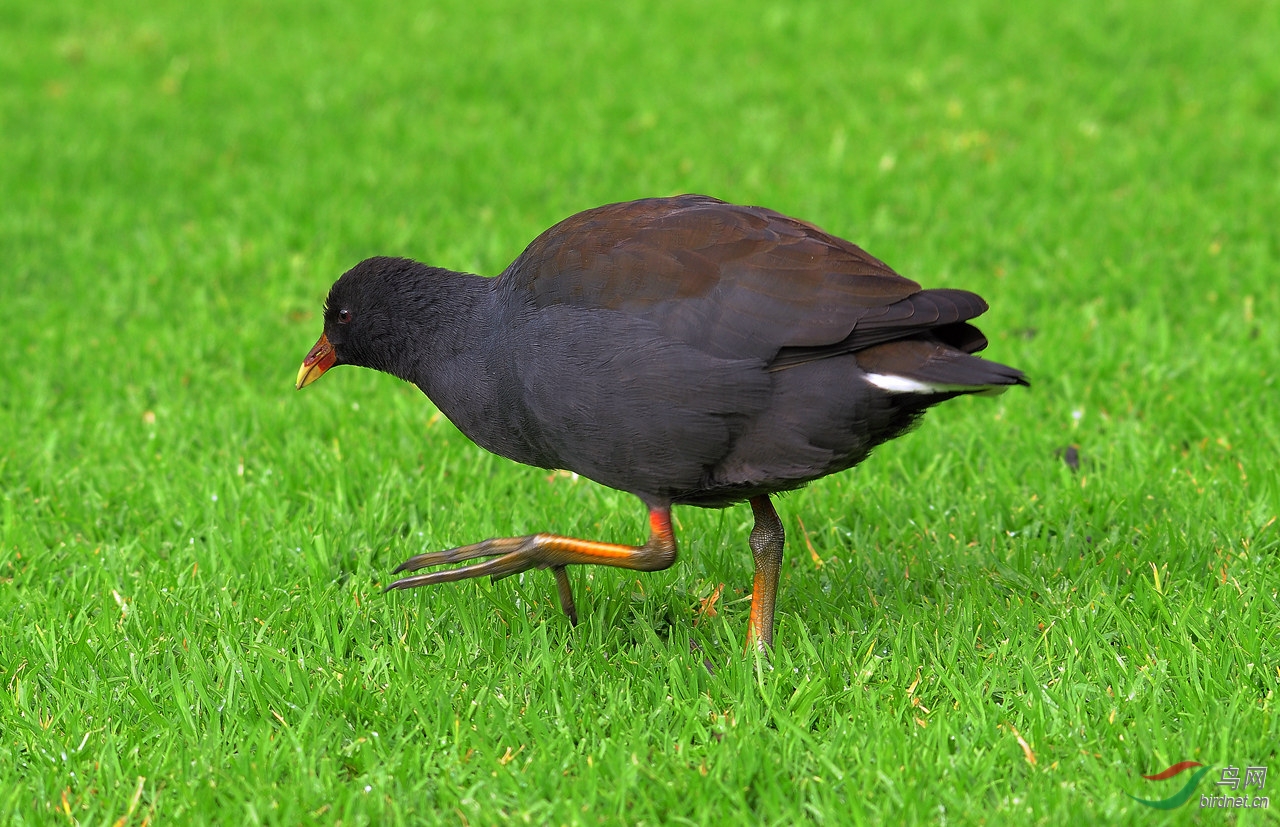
point(468, 370)
point(450, 357)
point(437, 336)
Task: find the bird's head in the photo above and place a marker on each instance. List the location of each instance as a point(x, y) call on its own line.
point(363, 317)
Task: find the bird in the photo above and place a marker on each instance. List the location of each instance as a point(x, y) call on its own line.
point(683, 349)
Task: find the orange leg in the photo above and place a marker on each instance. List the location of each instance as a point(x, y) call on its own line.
point(513, 555)
point(766, 547)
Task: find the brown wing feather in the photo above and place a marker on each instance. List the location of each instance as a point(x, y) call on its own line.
point(736, 282)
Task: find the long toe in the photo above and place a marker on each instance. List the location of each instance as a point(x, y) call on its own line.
point(517, 561)
point(488, 548)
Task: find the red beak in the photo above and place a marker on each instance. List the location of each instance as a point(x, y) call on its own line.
point(320, 359)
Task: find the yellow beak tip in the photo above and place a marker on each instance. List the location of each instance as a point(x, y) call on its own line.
point(321, 358)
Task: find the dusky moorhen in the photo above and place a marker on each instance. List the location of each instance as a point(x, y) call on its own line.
point(685, 350)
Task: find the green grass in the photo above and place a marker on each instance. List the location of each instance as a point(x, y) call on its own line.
point(191, 553)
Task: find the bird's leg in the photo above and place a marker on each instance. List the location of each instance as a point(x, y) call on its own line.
point(512, 555)
point(766, 547)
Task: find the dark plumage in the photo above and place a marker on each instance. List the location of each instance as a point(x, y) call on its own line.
point(685, 350)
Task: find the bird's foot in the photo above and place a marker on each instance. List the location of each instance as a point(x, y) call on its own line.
point(512, 555)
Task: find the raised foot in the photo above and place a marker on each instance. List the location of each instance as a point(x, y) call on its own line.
point(513, 555)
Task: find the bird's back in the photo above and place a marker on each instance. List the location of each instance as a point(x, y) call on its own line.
point(735, 281)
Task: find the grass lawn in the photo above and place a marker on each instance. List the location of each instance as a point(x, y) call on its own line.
point(971, 630)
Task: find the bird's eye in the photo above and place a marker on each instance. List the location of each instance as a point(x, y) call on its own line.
point(344, 316)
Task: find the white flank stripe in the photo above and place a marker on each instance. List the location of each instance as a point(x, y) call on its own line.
point(902, 384)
